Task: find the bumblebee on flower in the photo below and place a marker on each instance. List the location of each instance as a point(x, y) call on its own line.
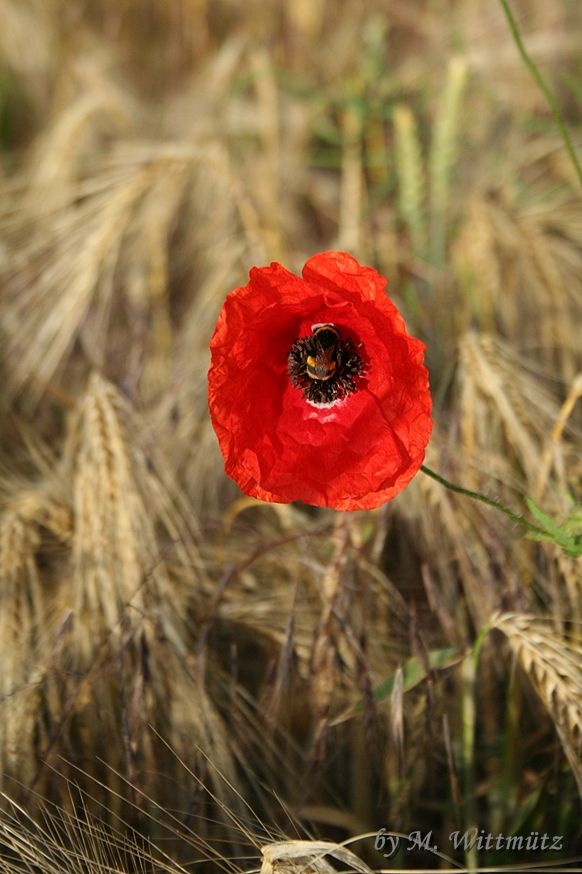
point(324, 365)
point(316, 391)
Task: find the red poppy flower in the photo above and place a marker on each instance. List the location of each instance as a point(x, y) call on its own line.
point(316, 391)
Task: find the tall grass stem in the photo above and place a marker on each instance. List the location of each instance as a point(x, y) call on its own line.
point(544, 88)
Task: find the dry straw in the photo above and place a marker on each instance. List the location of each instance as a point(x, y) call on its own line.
point(163, 151)
point(65, 841)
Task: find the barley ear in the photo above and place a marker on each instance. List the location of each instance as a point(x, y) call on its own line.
point(554, 665)
point(411, 177)
point(443, 154)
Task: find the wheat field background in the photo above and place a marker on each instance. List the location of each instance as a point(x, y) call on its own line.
point(188, 675)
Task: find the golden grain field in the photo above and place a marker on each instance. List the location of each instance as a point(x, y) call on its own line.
point(188, 675)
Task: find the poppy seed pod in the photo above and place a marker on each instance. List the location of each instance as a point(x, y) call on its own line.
point(316, 391)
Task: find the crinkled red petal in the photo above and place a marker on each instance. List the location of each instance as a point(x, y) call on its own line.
point(355, 454)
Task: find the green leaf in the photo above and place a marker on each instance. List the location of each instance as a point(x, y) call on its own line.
point(546, 521)
point(556, 533)
point(413, 672)
point(522, 814)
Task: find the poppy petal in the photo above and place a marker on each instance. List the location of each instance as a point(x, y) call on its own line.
point(355, 452)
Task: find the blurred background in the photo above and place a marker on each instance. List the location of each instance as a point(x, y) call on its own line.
point(208, 670)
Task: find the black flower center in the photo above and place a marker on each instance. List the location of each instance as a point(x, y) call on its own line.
point(324, 365)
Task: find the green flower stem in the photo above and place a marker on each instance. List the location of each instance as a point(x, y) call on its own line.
point(544, 88)
point(519, 520)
